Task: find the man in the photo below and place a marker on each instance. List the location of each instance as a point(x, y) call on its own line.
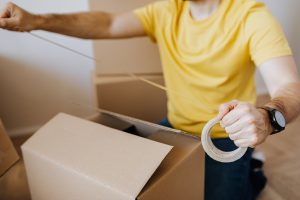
point(209, 50)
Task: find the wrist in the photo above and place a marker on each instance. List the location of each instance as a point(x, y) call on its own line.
point(267, 122)
point(39, 22)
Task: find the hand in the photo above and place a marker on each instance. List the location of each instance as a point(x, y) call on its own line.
point(15, 18)
point(246, 125)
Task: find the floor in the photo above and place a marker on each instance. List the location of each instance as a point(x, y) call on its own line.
point(282, 168)
point(283, 164)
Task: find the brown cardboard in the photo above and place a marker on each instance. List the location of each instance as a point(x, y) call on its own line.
point(8, 154)
point(136, 55)
point(179, 176)
point(72, 158)
point(131, 97)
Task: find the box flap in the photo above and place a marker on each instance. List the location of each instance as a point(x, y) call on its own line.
point(120, 162)
point(8, 154)
point(181, 174)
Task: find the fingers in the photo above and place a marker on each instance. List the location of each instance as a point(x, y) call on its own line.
point(242, 109)
point(242, 121)
point(5, 13)
point(242, 143)
point(237, 119)
point(226, 108)
point(242, 134)
point(236, 127)
point(15, 18)
point(8, 23)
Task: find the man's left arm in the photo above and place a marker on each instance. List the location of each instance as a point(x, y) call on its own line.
point(282, 80)
point(249, 126)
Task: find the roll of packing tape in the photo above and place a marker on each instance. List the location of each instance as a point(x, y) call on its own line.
point(215, 153)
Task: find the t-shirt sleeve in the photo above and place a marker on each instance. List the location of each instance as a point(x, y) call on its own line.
point(265, 37)
point(151, 17)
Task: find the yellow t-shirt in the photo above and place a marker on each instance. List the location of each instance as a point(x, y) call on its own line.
point(212, 61)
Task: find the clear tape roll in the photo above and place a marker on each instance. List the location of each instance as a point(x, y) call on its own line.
point(215, 153)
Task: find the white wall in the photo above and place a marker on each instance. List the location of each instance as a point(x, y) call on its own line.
point(288, 14)
point(37, 79)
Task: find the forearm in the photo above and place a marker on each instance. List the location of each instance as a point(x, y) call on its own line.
point(287, 100)
point(87, 25)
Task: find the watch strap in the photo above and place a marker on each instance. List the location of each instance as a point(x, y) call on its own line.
point(271, 114)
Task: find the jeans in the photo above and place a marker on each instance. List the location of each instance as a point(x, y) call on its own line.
point(226, 181)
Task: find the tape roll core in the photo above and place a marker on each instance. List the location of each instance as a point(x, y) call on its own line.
point(215, 153)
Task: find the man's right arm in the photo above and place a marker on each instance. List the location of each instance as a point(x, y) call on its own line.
point(87, 25)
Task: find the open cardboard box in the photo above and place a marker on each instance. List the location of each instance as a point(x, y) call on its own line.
point(114, 158)
point(8, 154)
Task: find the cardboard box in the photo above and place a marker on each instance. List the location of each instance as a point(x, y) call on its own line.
point(136, 55)
point(131, 97)
point(8, 154)
point(71, 158)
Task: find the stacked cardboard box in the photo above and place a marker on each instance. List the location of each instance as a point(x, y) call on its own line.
point(115, 91)
point(131, 97)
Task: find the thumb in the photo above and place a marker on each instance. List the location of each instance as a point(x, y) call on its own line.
point(226, 108)
point(6, 10)
point(4, 13)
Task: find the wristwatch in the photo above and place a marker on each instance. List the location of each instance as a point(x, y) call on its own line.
point(277, 119)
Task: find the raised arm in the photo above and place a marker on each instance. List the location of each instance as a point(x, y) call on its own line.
point(87, 25)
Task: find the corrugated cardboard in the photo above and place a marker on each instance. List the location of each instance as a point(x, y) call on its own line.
point(67, 164)
point(131, 97)
point(8, 154)
point(180, 175)
point(137, 55)
point(71, 158)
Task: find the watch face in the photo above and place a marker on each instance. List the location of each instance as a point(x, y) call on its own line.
point(280, 119)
